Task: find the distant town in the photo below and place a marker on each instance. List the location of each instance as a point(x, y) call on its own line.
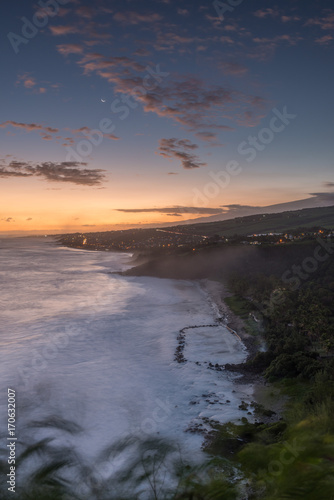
point(180, 238)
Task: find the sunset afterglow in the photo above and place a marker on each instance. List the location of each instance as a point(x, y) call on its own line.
point(125, 114)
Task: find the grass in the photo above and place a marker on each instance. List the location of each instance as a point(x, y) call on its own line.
point(241, 307)
point(252, 327)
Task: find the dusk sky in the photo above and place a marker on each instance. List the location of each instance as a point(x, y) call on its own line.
point(116, 114)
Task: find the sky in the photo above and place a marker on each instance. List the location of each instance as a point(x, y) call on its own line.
point(118, 114)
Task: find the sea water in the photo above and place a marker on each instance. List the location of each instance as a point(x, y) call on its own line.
point(92, 354)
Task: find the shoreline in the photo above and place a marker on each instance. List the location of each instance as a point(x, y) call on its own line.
point(217, 292)
point(214, 292)
point(262, 390)
point(269, 402)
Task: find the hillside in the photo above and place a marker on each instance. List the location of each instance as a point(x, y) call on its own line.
point(264, 223)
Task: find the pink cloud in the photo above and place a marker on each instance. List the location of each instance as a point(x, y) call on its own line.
point(326, 22)
point(86, 130)
point(132, 17)
point(324, 40)
point(230, 27)
point(29, 83)
point(187, 101)
point(263, 13)
point(28, 127)
point(27, 80)
point(286, 19)
point(266, 46)
point(169, 41)
point(63, 30)
point(70, 48)
point(227, 39)
point(112, 137)
point(97, 62)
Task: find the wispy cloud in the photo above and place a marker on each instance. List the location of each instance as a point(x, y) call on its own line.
point(232, 68)
point(64, 30)
point(291, 40)
point(30, 83)
point(326, 22)
point(70, 48)
point(26, 80)
point(180, 149)
point(71, 172)
point(97, 62)
point(193, 104)
point(236, 206)
point(168, 41)
point(86, 12)
point(69, 141)
point(142, 52)
point(265, 47)
point(263, 13)
point(214, 20)
point(324, 40)
point(131, 17)
point(45, 131)
point(209, 137)
point(174, 210)
point(28, 127)
point(287, 19)
point(87, 131)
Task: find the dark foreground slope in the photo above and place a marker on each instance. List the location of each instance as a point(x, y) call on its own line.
point(221, 261)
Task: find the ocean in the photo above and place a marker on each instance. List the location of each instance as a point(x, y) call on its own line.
point(91, 355)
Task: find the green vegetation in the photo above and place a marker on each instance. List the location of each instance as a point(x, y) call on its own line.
point(298, 323)
point(239, 306)
point(294, 457)
point(245, 310)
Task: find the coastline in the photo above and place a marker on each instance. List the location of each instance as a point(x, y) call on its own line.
point(264, 393)
point(217, 292)
point(262, 403)
point(268, 400)
point(214, 289)
point(214, 292)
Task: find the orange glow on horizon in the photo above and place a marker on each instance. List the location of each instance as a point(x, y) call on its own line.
point(40, 207)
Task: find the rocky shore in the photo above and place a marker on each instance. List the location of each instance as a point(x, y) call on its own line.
point(217, 292)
